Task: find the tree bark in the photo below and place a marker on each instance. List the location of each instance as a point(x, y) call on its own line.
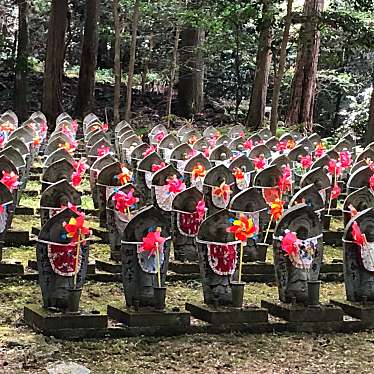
point(191, 72)
point(54, 65)
point(173, 69)
point(21, 83)
point(239, 80)
point(117, 62)
point(263, 60)
point(281, 68)
point(135, 21)
point(85, 102)
point(304, 82)
point(370, 128)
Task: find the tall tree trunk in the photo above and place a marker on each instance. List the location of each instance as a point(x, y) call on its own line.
point(370, 128)
point(54, 65)
point(263, 60)
point(173, 69)
point(304, 82)
point(135, 21)
point(239, 80)
point(281, 67)
point(147, 59)
point(117, 61)
point(191, 72)
point(21, 84)
point(86, 85)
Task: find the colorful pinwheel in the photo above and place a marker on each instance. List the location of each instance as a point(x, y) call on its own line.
point(175, 185)
point(103, 150)
point(125, 200)
point(281, 147)
point(334, 168)
point(157, 167)
point(320, 150)
point(248, 144)
point(357, 236)
point(105, 127)
point(371, 182)
point(291, 144)
point(345, 159)
point(125, 176)
point(198, 171)
point(152, 243)
point(290, 243)
point(200, 208)
point(335, 192)
point(306, 162)
point(76, 179)
point(242, 228)
point(238, 174)
point(149, 150)
point(77, 228)
point(276, 209)
point(159, 136)
point(259, 162)
point(223, 191)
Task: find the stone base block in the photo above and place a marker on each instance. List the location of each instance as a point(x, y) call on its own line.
point(109, 266)
point(228, 315)
point(9, 269)
point(300, 313)
point(364, 312)
point(80, 325)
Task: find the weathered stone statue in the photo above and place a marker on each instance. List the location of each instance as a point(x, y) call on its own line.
point(6, 214)
point(358, 201)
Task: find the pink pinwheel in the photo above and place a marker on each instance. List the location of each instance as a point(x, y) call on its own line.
point(248, 144)
point(175, 185)
point(281, 147)
point(76, 179)
point(290, 243)
point(241, 134)
point(371, 182)
point(334, 168)
point(152, 242)
point(335, 192)
point(157, 167)
point(159, 136)
point(207, 152)
point(357, 236)
point(80, 166)
point(43, 127)
point(10, 180)
point(259, 162)
point(103, 150)
point(105, 127)
point(212, 142)
point(320, 150)
point(200, 208)
point(345, 159)
point(125, 200)
point(306, 161)
point(149, 150)
point(74, 124)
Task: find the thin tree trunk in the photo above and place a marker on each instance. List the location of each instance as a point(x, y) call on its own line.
point(263, 60)
point(54, 65)
point(135, 21)
point(146, 61)
point(281, 68)
point(86, 85)
point(304, 83)
point(239, 80)
point(173, 69)
point(370, 128)
point(21, 83)
point(117, 61)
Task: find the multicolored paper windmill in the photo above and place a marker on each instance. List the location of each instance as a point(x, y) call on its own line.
point(243, 228)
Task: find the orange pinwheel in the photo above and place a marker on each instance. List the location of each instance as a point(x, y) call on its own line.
point(125, 176)
point(276, 208)
point(198, 171)
point(77, 228)
point(291, 144)
point(242, 228)
point(238, 173)
point(222, 191)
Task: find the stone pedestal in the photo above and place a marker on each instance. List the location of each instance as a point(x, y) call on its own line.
point(65, 325)
point(299, 313)
point(149, 321)
point(228, 316)
point(111, 267)
point(10, 270)
point(361, 311)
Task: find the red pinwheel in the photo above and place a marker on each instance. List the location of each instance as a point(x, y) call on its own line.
point(289, 243)
point(175, 185)
point(335, 192)
point(241, 134)
point(1, 208)
point(105, 127)
point(152, 242)
point(238, 174)
point(352, 210)
point(248, 144)
point(242, 228)
point(157, 167)
point(334, 168)
point(222, 191)
point(198, 171)
point(306, 161)
point(76, 179)
point(285, 181)
point(80, 166)
point(207, 152)
point(125, 200)
point(10, 180)
point(200, 208)
point(259, 162)
point(149, 150)
point(276, 209)
point(345, 159)
point(357, 236)
point(102, 150)
point(77, 228)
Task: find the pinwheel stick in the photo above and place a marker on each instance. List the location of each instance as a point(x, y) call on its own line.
point(330, 200)
point(77, 260)
point(241, 262)
point(128, 213)
point(158, 264)
point(268, 229)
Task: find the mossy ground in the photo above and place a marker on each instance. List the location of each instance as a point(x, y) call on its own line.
point(24, 351)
